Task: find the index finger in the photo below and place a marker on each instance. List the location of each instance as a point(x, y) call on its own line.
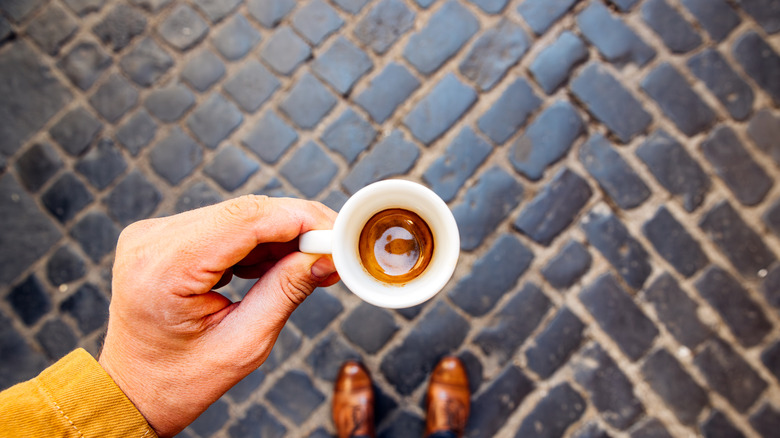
point(215, 238)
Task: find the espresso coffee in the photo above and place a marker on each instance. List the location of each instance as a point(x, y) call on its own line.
point(395, 246)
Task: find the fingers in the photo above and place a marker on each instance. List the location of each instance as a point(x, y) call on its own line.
point(271, 301)
point(210, 240)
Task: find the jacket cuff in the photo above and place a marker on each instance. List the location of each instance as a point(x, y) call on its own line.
point(89, 399)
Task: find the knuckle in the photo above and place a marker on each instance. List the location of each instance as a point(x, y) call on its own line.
point(244, 208)
point(295, 288)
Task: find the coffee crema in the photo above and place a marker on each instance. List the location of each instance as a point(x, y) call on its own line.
point(395, 246)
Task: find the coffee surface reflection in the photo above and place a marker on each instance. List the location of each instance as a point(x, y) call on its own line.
point(395, 246)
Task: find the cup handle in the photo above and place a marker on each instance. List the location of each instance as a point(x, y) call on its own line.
point(316, 242)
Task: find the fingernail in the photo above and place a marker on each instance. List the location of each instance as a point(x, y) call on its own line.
point(322, 268)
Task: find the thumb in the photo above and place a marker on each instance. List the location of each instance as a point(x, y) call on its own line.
point(271, 301)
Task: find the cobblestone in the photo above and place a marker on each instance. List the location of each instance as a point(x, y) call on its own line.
point(566, 268)
point(410, 362)
point(52, 28)
point(168, 104)
point(96, 234)
point(182, 28)
point(314, 315)
point(718, 426)
point(677, 311)
point(553, 414)
point(20, 212)
point(216, 10)
point(763, 128)
point(56, 338)
point(734, 165)
point(771, 359)
point(175, 156)
point(461, 158)
point(285, 51)
point(329, 354)
point(31, 96)
point(541, 14)
point(479, 291)
point(102, 165)
point(88, 307)
point(236, 38)
point(269, 12)
point(208, 100)
point(386, 91)
point(342, 65)
point(759, 61)
point(137, 132)
point(114, 98)
point(369, 327)
point(29, 300)
point(308, 102)
point(716, 16)
point(718, 362)
point(677, 34)
point(146, 63)
point(393, 155)
point(609, 389)
point(37, 165)
point(765, 12)
point(270, 137)
point(349, 135)
point(65, 266)
point(743, 316)
point(674, 243)
point(66, 197)
point(732, 91)
point(677, 100)
point(616, 314)
point(554, 208)
point(551, 68)
point(514, 322)
point(667, 378)
point(738, 242)
point(251, 86)
point(491, 408)
point(494, 53)
point(675, 169)
point(134, 198)
point(213, 120)
point(612, 37)
point(509, 112)
point(555, 344)
point(381, 27)
point(203, 70)
point(84, 64)
point(446, 32)
point(120, 26)
point(766, 420)
point(440, 109)
point(76, 130)
point(610, 102)
point(613, 173)
point(316, 20)
point(485, 205)
point(231, 168)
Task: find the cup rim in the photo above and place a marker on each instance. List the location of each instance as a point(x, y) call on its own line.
point(367, 202)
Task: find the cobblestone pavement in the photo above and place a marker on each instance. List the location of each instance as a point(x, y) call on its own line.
point(611, 165)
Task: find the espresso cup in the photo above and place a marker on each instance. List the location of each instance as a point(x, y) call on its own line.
point(412, 261)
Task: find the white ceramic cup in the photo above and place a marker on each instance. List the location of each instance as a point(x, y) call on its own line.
point(342, 242)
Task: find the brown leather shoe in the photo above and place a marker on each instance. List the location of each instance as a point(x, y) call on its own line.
point(448, 398)
point(353, 402)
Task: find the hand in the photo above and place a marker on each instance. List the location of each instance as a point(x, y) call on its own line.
point(173, 345)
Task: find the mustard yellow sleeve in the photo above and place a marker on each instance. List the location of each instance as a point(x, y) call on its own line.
point(74, 397)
